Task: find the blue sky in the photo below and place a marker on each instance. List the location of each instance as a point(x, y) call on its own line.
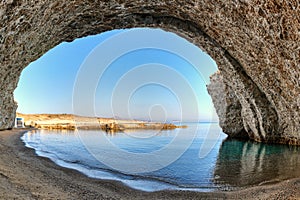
point(145, 83)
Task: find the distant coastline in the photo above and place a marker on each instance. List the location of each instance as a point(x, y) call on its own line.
point(73, 122)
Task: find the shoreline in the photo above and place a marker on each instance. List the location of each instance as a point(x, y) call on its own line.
point(25, 175)
point(73, 122)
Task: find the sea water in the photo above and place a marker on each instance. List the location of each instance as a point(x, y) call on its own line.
point(206, 164)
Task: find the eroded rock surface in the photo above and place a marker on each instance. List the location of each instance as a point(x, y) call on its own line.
point(227, 106)
point(255, 44)
point(248, 117)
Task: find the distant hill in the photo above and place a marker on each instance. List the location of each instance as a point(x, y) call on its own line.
point(72, 122)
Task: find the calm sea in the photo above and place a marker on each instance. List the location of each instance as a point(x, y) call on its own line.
point(199, 157)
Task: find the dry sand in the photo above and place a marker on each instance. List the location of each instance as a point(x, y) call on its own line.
point(24, 175)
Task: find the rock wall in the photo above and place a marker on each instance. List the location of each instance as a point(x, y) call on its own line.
point(8, 109)
point(254, 42)
point(227, 106)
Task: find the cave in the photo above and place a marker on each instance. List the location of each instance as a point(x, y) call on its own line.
point(255, 44)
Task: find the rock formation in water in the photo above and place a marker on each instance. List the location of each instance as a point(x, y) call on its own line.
point(227, 106)
point(254, 43)
point(253, 117)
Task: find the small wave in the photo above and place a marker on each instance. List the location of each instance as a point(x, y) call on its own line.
point(144, 182)
point(139, 182)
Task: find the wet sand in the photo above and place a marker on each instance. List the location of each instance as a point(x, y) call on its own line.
point(24, 175)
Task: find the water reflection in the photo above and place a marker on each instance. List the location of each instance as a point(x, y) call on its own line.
point(139, 133)
point(248, 163)
point(111, 132)
point(231, 163)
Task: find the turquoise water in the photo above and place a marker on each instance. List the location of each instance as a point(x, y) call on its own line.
point(207, 164)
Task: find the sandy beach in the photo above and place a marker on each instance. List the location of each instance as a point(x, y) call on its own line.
point(24, 175)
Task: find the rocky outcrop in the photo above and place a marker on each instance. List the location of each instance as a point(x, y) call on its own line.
point(8, 109)
point(252, 118)
point(255, 44)
point(227, 106)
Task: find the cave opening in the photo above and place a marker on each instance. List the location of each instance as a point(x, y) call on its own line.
point(47, 85)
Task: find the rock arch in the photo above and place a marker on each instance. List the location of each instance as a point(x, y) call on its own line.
point(255, 44)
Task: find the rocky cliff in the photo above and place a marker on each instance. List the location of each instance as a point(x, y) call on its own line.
point(254, 42)
point(251, 117)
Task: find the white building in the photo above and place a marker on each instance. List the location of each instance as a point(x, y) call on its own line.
point(19, 122)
